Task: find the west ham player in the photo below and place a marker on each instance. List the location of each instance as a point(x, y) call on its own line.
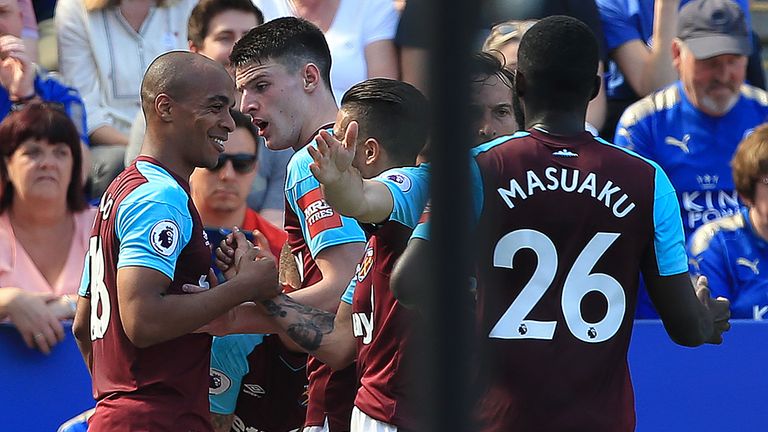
point(134, 324)
point(556, 294)
point(390, 115)
point(732, 252)
point(283, 70)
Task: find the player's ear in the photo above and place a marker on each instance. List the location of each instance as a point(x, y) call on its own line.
point(163, 107)
point(311, 77)
point(372, 151)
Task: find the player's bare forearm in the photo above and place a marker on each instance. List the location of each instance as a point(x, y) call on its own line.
point(690, 316)
point(81, 330)
point(222, 422)
point(314, 330)
point(368, 201)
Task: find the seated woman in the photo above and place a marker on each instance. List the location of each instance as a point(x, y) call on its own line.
point(732, 252)
point(44, 222)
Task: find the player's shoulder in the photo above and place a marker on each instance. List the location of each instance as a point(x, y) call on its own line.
point(655, 103)
point(298, 167)
point(726, 226)
point(159, 186)
point(405, 178)
point(624, 155)
point(494, 143)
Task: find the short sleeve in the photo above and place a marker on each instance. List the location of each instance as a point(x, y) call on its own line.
point(350, 291)
point(152, 234)
point(229, 364)
point(669, 240)
point(422, 228)
point(380, 21)
point(322, 226)
point(618, 27)
point(409, 188)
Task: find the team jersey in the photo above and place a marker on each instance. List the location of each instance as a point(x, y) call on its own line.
point(381, 325)
point(627, 20)
point(692, 147)
point(258, 380)
point(734, 258)
point(556, 293)
point(313, 226)
point(146, 218)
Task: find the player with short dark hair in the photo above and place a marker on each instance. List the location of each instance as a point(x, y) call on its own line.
point(555, 293)
point(134, 323)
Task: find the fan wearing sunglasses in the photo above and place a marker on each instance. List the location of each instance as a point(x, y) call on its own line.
point(219, 193)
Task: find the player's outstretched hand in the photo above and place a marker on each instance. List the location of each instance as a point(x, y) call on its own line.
point(719, 309)
point(332, 158)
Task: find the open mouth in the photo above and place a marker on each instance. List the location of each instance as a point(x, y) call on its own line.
point(218, 143)
point(262, 125)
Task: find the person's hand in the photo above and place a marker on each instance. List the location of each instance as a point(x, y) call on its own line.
point(257, 269)
point(17, 71)
point(62, 308)
point(29, 312)
point(225, 253)
point(719, 309)
point(332, 158)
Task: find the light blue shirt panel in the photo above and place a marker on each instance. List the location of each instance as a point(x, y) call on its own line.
point(85, 279)
point(476, 183)
point(669, 238)
point(229, 355)
point(350, 291)
point(161, 198)
point(409, 187)
point(299, 182)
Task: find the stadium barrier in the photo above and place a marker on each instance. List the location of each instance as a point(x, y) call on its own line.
point(710, 388)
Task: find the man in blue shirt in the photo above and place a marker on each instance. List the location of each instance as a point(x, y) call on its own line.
point(732, 252)
point(692, 127)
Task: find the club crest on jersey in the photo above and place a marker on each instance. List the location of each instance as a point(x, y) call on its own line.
point(219, 382)
point(318, 215)
point(164, 236)
point(402, 181)
point(366, 265)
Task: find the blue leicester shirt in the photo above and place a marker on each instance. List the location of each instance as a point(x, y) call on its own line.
point(627, 20)
point(693, 148)
point(409, 187)
point(734, 258)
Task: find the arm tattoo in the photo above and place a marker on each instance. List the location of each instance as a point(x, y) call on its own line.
point(307, 325)
point(222, 422)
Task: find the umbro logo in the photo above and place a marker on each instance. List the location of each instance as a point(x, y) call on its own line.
point(681, 144)
point(752, 265)
point(565, 153)
point(254, 390)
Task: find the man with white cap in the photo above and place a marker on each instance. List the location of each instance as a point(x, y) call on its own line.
point(692, 127)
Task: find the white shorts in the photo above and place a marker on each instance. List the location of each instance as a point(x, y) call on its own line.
point(323, 428)
point(362, 422)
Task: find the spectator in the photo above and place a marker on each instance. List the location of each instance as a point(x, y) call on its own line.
point(20, 79)
point(638, 35)
point(413, 42)
point(513, 17)
point(42, 209)
point(732, 252)
point(692, 127)
point(491, 101)
point(360, 34)
point(29, 33)
point(246, 362)
point(104, 48)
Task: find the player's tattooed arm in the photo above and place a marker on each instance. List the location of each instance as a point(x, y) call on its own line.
point(305, 325)
point(222, 422)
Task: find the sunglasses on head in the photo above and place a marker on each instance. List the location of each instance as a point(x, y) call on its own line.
point(242, 163)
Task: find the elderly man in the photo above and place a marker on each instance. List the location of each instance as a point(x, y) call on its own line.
point(692, 127)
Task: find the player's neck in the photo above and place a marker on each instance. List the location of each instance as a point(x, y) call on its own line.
point(323, 113)
point(556, 123)
point(166, 153)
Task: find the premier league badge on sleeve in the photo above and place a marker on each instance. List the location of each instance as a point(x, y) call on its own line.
point(219, 382)
point(402, 181)
point(164, 236)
